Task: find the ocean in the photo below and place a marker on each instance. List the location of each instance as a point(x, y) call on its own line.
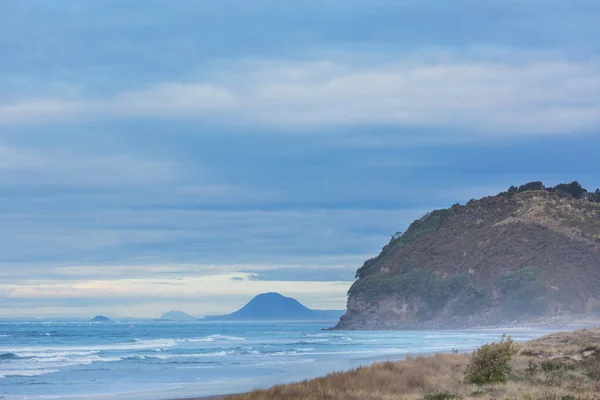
point(151, 360)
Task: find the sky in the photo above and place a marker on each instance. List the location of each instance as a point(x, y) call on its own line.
point(187, 155)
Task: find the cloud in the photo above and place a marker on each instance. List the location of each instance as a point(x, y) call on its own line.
point(192, 142)
point(127, 297)
point(515, 94)
point(211, 236)
point(173, 98)
point(321, 274)
point(70, 167)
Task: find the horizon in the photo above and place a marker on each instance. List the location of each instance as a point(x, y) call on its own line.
point(186, 157)
point(162, 314)
point(157, 317)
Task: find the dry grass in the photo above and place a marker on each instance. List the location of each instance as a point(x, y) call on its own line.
point(545, 369)
point(567, 343)
point(565, 215)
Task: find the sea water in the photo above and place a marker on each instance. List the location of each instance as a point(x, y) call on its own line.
point(138, 359)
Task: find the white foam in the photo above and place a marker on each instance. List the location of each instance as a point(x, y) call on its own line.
point(286, 362)
point(305, 341)
point(60, 362)
point(215, 354)
point(305, 350)
point(27, 372)
point(53, 354)
point(213, 338)
point(141, 345)
point(284, 353)
point(311, 352)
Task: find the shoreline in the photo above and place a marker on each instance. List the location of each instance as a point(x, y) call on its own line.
point(561, 322)
point(391, 357)
point(201, 386)
point(545, 367)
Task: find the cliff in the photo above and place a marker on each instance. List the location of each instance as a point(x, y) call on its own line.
point(525, 255)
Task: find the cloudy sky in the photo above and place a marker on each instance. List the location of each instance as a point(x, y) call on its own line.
point(189, 154)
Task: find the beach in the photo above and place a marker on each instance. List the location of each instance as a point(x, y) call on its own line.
point(562, 365)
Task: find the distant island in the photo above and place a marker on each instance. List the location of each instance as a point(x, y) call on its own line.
point(530, 254)
point(177, 316)
point(276, 307)
point(100, 318)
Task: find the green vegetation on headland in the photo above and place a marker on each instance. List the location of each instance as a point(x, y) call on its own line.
point(561, 366)
point(527, 254)
point(458, 292)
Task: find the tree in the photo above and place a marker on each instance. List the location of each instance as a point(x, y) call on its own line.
point(490, 363)
point(531, 186)
point(574, 189)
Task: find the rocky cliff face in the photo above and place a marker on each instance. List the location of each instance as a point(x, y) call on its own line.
point(518, 256)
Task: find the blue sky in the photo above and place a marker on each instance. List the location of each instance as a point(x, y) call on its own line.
point(161, 155)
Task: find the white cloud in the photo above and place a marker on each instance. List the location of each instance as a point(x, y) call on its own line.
point(148, 297)
point(173, 98)
point(202, 236)
point(503, 95)
point(64, 166)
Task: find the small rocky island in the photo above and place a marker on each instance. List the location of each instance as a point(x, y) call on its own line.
point(100, 318)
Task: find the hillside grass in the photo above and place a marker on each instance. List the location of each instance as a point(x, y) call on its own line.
point(562, 366)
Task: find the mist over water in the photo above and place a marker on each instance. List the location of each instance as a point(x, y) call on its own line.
point(158, 360)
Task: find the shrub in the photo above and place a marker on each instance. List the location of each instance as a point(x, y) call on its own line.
point(490, 363)
point(531, 186)
point(573, 188)
point(478, 393)
point(439, 396)
point(397, 235)
point(556, 365)
point(426, 225)
point(591, 366)
point(532, 368)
